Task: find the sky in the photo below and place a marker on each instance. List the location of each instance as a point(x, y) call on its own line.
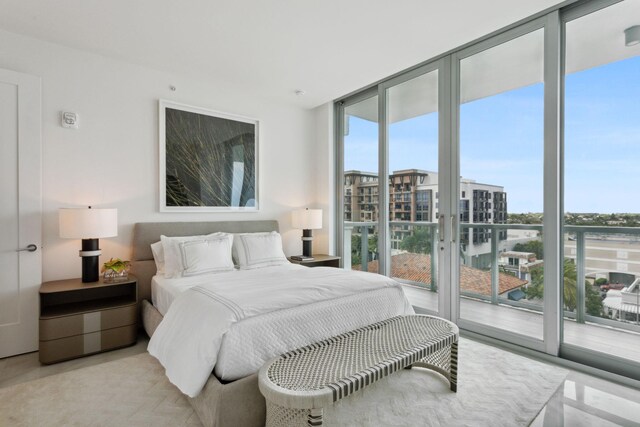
point(501, 142)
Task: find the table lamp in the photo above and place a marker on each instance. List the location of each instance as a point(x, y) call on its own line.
point(88, 225)
point(307, 220)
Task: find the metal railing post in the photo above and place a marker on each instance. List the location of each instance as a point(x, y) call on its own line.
point(580, 276)
point(346, 253)
point(495, 268)
point(364, 248)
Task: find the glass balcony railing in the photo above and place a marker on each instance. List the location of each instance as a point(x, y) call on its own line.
point(360, 246)
point(601, 266)
point(607, 262)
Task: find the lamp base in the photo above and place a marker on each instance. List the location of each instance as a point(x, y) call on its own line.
point(307, 239)
point(90, 254)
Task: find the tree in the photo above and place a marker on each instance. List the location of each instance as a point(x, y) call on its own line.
point(602, 281)
point(536, 287)
point(419, 242)
point(356, 248)
point(534, 246)
point(593, 302)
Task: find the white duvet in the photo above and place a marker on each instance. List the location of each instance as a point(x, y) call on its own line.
point(275, 308)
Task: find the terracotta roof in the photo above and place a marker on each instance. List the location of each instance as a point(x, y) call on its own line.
point(417, 268)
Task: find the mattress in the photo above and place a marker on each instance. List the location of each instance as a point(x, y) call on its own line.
point(232, 323)
point(164, 291)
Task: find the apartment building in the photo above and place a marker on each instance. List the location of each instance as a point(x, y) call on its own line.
point(413, 197)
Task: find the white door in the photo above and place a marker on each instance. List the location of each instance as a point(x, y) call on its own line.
point(20, 212)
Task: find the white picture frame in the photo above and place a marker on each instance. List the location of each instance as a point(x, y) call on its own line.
point(208, 160)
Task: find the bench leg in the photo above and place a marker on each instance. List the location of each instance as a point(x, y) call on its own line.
point(314, 418)
point(453, 374)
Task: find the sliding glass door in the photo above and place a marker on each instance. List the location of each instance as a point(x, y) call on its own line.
point(501, 188)
point(413, 137)
point(601, 175)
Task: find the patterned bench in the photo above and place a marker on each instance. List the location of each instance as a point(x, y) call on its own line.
point(299, 384)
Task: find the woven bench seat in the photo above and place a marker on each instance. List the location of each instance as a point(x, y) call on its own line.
point(299, 384)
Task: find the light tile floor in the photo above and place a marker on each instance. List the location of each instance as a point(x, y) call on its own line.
point(587, 401)
point(582, 400)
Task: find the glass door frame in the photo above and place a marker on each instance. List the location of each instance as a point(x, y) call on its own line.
point(441, 65)
point(550, 24)
point(553, 21)
point(448, 183)
point(569, 351)
point(339, 124)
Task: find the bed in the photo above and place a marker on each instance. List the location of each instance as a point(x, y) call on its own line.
point(230, 396)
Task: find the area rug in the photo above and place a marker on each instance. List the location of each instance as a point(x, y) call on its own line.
point(495, 388)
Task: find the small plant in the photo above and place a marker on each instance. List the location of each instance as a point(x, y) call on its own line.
point(116, 265)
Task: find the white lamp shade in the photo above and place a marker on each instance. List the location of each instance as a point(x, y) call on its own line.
point(307, 219)
point(88, 223)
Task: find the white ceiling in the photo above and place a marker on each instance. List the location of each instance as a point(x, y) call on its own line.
point(591, 41)
point(327, 47)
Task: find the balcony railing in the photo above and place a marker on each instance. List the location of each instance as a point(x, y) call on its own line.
point(622, 235)
point(363, 229)
point(578, 233)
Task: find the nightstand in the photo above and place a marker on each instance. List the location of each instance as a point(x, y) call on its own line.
point(319, 260)
point(78, 319)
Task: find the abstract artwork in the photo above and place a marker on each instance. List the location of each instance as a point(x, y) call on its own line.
point(208, 160)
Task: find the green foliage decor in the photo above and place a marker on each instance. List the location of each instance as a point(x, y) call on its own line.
point(116, 265)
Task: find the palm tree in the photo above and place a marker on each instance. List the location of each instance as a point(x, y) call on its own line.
point(569, 289)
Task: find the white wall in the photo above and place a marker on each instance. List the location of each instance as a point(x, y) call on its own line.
point(112, 160)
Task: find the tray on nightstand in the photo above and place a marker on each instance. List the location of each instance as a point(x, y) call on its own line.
point(319, 260)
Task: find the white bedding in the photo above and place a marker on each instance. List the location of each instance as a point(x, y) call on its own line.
point(236, 321)
point(164, 290)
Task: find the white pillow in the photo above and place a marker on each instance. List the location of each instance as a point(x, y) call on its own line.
point(206, 256)
point(173, 266)
point(158, 256)
point(256, 250)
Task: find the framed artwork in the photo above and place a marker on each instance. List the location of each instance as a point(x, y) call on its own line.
point(208, 160)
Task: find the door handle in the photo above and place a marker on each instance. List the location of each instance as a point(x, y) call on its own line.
point(441, 227)
point(454, 230)
point(29, 248)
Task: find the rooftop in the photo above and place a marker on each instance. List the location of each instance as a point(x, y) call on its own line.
point(516, 254)
point(417, 268)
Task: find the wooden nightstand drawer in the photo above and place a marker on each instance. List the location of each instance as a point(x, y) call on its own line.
point(82, 345)
point(77, 319)
point(78, 324)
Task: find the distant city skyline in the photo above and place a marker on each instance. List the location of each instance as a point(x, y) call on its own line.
point(502, 142)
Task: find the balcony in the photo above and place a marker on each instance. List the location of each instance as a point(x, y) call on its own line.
point(486, 296)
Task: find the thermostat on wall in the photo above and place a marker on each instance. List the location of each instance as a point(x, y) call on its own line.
point(70, 120)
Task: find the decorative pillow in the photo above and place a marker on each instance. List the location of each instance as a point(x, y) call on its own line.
point(173, 266)
point(207, 256)
point(158, 256)
point(257, 250)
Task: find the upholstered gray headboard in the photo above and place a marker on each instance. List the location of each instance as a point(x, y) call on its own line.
point(146, 233)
